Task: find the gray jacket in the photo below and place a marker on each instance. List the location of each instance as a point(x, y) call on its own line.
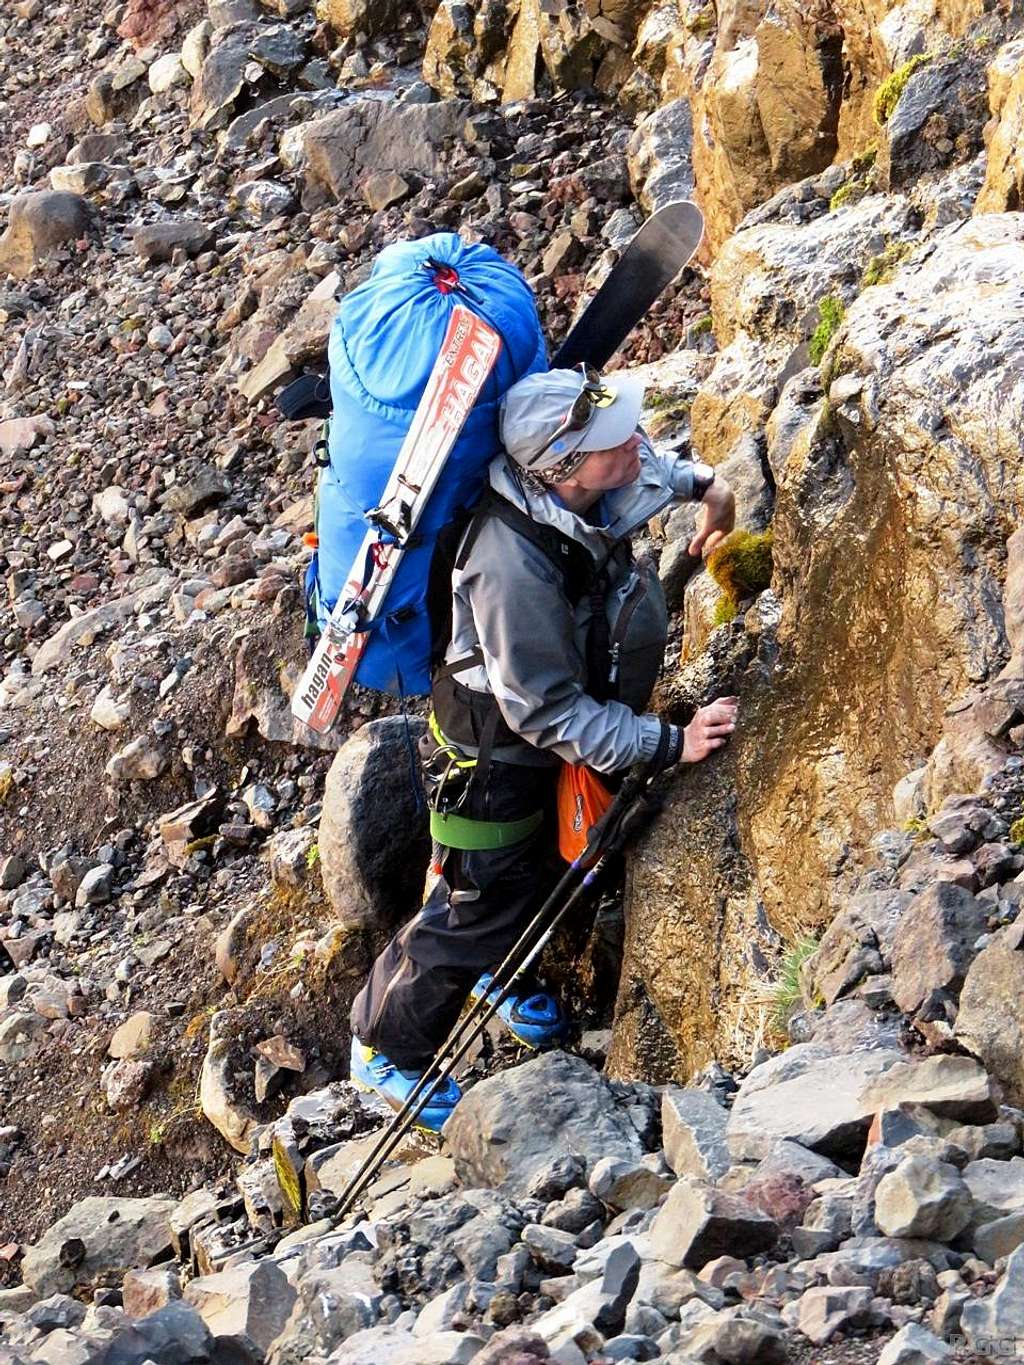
point(510, 604)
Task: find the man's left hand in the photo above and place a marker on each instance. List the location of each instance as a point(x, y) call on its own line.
point(716, 518)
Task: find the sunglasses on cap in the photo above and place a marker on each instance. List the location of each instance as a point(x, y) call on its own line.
point(593, 394)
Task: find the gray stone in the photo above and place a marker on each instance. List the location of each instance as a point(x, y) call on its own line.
point(13, 871)
point(595, 1310)
point(697, 1223)
point(809, 1095)
point(37, 224)
point(369, 876)
point(172, 1335)
point(997, 1188)
point(253, 1300)
point(575, 1212)
point(628, 1184)
point(21, 1036)
point(96, 886)
point(228, 1114)
point(509, 1126)
point(914, 1345)
point(115, 1234)
point(333, 1305)
point(826, 1310)
point(157, 242)
point(12, 989)
point(1001, 1315)
point(990, 1021)
point(660, 156)
point(143, 759)
point(374, 136)
point(934, 943)
point(693, 1127)
point(736, 1336)
point(789, 1158)
point(194, 495)
point(999, 1238)
point(922, 1198)
point(553, 1251)
point(952, 1087)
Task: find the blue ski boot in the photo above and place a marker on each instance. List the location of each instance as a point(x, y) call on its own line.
point(534, 1020)
point(371, 1070)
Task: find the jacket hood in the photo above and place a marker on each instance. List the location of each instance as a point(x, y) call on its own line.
point(628, 508)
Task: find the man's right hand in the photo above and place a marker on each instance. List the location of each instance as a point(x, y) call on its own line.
point(710, 728)
point(716, 518)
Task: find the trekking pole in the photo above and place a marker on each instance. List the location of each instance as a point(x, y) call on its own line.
point(607, 837)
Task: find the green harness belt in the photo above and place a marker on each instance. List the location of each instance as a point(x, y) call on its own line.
point(456, 831)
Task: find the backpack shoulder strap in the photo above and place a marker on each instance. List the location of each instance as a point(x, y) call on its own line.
point(580, 575)
point(573, 560)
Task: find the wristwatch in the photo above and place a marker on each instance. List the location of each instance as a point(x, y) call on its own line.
point(703, 478)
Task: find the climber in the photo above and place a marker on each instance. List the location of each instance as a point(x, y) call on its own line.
point(557, 638)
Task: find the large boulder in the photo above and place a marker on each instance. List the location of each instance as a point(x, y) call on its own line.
point(371, 136)
point(697, 1224)
point(508, 1127)
point(939, 118)
point(990, 1021)
point(374, 837)
point(934, 943)
point(661, 156)
point(241, 54)
point(810, 1096)
point(37, 224)
point(251, 1300)
point(693, 1126)
point(98, 1235)
point(218, 1097)
point(922, 1198)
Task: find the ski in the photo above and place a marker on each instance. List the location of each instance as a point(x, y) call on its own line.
point(651, 261)
point(466, 358)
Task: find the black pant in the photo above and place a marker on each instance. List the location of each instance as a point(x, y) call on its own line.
point(475, 913)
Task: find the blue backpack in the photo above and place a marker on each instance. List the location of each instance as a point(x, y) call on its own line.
point(382, 347)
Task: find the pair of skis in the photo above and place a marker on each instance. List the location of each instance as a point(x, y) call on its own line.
point(660, 249)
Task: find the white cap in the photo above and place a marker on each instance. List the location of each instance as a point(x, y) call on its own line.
point(538, 405)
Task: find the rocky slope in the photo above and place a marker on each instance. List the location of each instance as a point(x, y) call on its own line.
point(189, 889)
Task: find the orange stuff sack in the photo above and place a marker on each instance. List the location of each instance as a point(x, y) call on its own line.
point(582, 800)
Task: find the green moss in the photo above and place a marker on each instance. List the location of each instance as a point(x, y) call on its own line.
point(881, 268)
point(848, 193)
point(1017, 831)
point(831, 311)
point(887, 96)
point(864, 160)
point(742, 567)
point(701, 22)
point(200, 845)
point(702, 326)
point(313, 856)
point(915, 825)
